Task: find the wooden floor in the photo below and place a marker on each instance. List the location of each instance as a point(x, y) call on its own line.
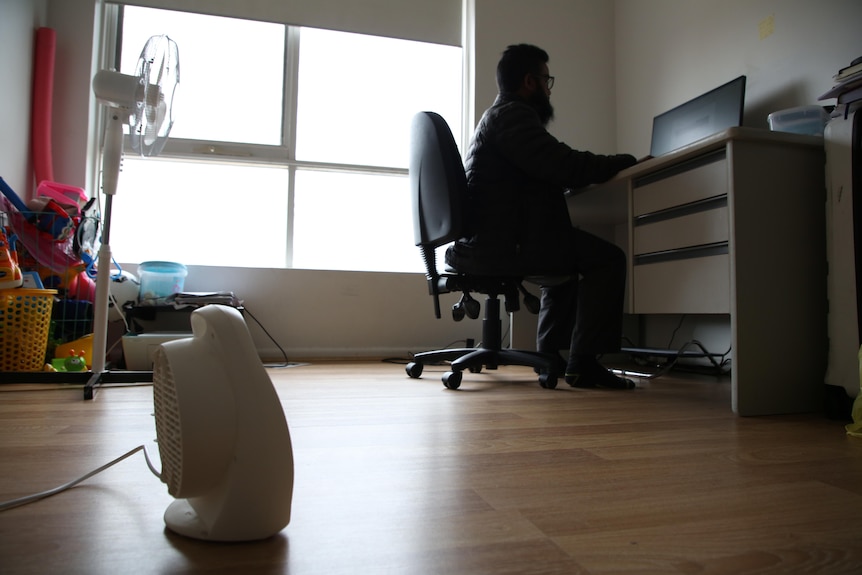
point(400, 476)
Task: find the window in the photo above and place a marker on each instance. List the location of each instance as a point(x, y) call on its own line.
point(289, 148)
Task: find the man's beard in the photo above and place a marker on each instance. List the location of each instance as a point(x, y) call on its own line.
point(542, 104)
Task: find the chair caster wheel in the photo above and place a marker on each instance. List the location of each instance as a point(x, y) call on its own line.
point(548, 381)
point(458, 311)
point(472, 308)
point(452, 379)
point(475, 369)
point(414, 369)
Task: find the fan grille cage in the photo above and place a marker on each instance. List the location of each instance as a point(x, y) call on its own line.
point(168, 428)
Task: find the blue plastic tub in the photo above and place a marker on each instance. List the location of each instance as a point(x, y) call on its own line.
point(161, 279)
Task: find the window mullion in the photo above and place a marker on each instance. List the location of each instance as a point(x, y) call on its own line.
point(224, 151)
point(291, 91)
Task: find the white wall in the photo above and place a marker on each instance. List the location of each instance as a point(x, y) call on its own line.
point(19, 20)
point(74, 134)
point(579, 38)
point(72, 95)
point(663, 51)
point(669, 51)
point(338, 314)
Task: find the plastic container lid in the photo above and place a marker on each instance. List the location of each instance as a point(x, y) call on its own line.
point(159, 267)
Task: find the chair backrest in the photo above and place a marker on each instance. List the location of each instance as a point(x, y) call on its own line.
point(438, 184)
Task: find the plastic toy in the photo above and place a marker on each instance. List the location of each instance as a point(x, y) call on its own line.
point(10, 272)
point(82, 288)
point(75, 362)
point(81, 347)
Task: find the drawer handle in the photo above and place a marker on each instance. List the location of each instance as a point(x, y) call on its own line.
point(703, 205)
point(718, 248)
point(682, 167)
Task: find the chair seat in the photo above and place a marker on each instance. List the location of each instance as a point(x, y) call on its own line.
point(539, 280)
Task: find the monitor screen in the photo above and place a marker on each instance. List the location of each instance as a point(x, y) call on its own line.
point(703, 116)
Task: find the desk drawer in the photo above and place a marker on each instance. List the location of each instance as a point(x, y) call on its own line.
point(694, 229)
point(692, 182)
point(694, 285)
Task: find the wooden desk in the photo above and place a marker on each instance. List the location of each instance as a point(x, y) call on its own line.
point(733, 224)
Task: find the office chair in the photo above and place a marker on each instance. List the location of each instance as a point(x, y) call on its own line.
point(438, 187)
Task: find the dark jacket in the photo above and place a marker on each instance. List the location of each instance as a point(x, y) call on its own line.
point(517, 174)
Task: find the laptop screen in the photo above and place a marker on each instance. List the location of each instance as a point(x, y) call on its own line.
point(703, 116)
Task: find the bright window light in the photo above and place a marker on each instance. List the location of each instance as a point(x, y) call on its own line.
point(358, 94)
point(200, 213)
point(231, 73)
point(338, 201)
point(353, 222)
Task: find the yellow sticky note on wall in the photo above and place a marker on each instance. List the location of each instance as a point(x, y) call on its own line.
point(767, 27)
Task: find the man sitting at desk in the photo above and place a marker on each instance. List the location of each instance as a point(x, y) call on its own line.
point(518, 221)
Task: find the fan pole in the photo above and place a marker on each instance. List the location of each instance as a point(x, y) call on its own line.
point(111, 159)
point(103, 286)
point(125, 95)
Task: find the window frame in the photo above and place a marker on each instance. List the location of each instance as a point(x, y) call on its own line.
point(283, 155)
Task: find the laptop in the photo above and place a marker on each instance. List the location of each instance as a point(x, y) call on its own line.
point(710, 113)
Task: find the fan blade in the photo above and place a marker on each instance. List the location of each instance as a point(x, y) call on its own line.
point(155, 117)
point(158, 69)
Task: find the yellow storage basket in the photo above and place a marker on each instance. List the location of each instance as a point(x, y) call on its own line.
point(25, 321)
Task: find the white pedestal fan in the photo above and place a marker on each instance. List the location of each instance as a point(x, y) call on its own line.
point(144, 102)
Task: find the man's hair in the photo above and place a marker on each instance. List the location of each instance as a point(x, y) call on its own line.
point(517, 61)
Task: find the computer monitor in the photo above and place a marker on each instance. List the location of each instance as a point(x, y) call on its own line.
point(712, 112)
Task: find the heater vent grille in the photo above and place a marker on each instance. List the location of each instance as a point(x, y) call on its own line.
point(168, 428)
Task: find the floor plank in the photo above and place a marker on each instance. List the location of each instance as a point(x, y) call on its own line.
point(402, 476)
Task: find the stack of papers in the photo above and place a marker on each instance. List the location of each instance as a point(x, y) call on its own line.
point(848, 83)
point(199, 299)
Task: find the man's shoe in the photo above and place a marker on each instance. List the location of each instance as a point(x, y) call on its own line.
point(556, 358)
point(599, 378)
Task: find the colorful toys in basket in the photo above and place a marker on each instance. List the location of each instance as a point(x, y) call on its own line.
point(56, 233)
point(50, 226)
point(10, 272)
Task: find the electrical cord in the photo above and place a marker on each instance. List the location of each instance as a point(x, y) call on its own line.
point(119, 307)
point(718, 367)
point(673, 334)
point(286, 363)
point(6, 505)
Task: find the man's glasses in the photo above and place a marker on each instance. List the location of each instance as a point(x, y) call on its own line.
point(549, 80)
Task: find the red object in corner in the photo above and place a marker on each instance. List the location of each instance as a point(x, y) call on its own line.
point(43, 88)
